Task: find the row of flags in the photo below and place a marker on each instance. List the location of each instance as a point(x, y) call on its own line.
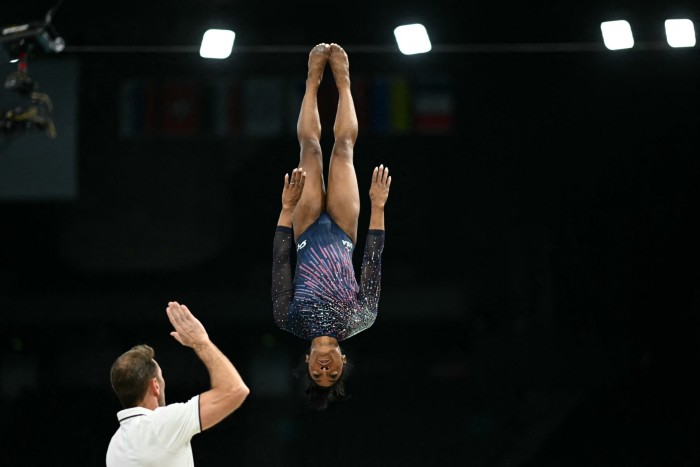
point(269, 106)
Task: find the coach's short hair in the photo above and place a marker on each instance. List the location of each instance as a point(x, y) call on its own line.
point(131, 373)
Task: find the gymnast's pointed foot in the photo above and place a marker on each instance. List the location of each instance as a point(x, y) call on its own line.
point(318, 57)
point(340, 65)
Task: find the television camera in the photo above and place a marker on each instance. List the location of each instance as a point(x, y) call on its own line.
point(24, 107)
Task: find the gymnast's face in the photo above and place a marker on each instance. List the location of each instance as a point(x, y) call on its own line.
point(325, 364)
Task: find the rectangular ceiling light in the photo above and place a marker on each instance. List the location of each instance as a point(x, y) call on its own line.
point(217, 43)
point(680, 33)
point(412, 39)
point(617, 34)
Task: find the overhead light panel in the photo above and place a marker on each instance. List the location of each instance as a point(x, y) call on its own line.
point(217, 43)
point(617, 34)
point(680, 33)
point(412, 39)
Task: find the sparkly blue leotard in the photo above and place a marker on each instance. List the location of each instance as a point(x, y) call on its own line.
point(323, 297)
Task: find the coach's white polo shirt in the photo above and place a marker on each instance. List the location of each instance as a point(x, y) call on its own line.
point(158, 437)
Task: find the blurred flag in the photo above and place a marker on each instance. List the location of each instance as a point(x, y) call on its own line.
point(225, 101)
point(380, 112)
point(400, 106)
point(433, 105)
point(390, 111)
point(263, 107)
point(181, 108)
point(151, 109)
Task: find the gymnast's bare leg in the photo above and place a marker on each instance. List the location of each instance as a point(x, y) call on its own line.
point(312, 201)
point(343, 199)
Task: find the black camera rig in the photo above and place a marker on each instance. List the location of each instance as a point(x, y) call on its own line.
point(23, 106)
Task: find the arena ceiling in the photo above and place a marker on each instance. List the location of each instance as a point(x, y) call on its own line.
point(361, 24)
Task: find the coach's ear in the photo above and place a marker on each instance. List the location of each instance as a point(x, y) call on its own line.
point(154, 387)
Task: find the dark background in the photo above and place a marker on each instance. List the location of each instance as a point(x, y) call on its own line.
point(540, 273)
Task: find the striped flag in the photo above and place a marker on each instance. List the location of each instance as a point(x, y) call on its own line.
point(400, 106)
point(434, 106)
point(390, 111)
point(150, 109)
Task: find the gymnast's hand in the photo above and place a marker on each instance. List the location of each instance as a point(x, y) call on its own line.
point(293, 187)
point(379, 190)
point(188, 330)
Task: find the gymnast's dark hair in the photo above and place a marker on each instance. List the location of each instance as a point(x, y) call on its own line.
point(318, 398)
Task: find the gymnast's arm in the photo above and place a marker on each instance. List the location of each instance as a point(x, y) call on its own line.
point(378, 195)
point(282, 278)
point(370, 281)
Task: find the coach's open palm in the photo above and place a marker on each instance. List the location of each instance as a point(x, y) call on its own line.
point(188, 330)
